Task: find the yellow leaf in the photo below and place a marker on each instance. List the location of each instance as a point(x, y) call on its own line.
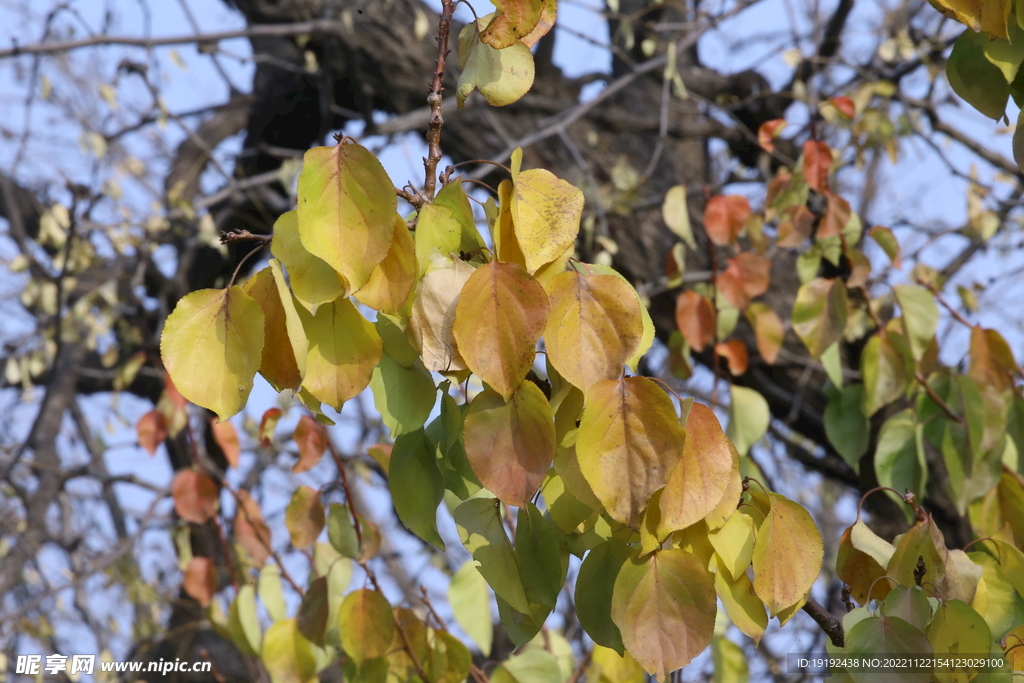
point(503, 230)
point(546, 211)
point(211, 346)
point(346, 210)
point(433, 314)
point(629, 442)
point(862, 558)
point(515, 19)
point(647, 338)
point(283, 360)
point(705, 470)
point(787, 555)
point(676, 214)
point(595, 326)
point(313, 282)
point(344, 348)
point(664, 606)
point(606, 666)
point(393, 279)
point(499, 319)
point(989, 16)
point(503, 76)
point(768, 330)
point(510, 445)
point(734, 543)
point(743, 607)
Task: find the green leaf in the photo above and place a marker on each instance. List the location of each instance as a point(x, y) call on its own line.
point(833, 363)
point(729, 660)
point(974, 78)
point(884, 369)
point(888, 242)
point(445, 227)
point(471, 605)
point(312, 281)
point(314, 611)
point(956, 629)
point(366, 625)
point(607, 666)
point(996, 600)
point(819, 314)
point(287, 656)
point(244, 620)
point(483, 533)
point(629, 441)
point(888, 636)
point(539, 556)
point(404, 396)
point(502, 76)
point(899, 456)
point(594, 587)
point(534, 665)
point(510, 444)
point(271, 593)
point(664, 606)
point(909, 604)
point(787, 555)
point(748, 418)
point(211, 346)
point(845, 425)
point(417, 486)
point(920, 317)
point(445, 432)
point(347, 207)
point(344, 348)
point(341, 532)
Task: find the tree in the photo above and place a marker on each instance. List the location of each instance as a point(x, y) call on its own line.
point(595, 450)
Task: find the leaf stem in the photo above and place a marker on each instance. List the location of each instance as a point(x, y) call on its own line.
point(245, 258)
point(903, 496)
point(433, 157)
point(938, 399)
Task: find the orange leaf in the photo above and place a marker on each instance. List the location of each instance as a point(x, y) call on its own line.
point(696, 319)
point(311, 438)
point(267, 425)
point(735, 353)
point(200, 579)
point(152, 430)
point(746, 277)
point(836, 216)
point(845, 106)
point(992, 362)
point(724, 217)
point(499, 318)
point(172, 392)
point(227, 438)
point(768, 131)
point(511, 445)
point(251, 531)
point(392, 280)
point(195, 496)
point(700, 480)
point(817, 160)
point(768, 330)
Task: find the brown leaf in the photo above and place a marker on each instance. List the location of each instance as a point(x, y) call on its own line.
point(796, 228)
point(151, 430)
point(817, 160)
point(195, 496)
point(836, 216)
point(992, 362)
point(768, 330)
point(734, 352)
point(227, 438)
point(311, 438)
point(251, 531)
point(696, 319)
point(724, 217)
point(200, 580)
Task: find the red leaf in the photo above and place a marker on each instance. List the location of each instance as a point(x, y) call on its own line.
point(817, 159)
point(845, 106)
point(724, 217)
point(195, 496)
point(696, 319)
point(730, 285)
point(200, 579)
point(250, 529)
point(735, 353)
point(747, 276)
point(767, 133)
point(152, 430)
point(267, 425)
point(836, 216)
point(311, 438)
point(227, 438)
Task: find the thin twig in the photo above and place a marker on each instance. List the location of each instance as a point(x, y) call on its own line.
point(433, 157)
point(243, 236)
point(938, 399)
